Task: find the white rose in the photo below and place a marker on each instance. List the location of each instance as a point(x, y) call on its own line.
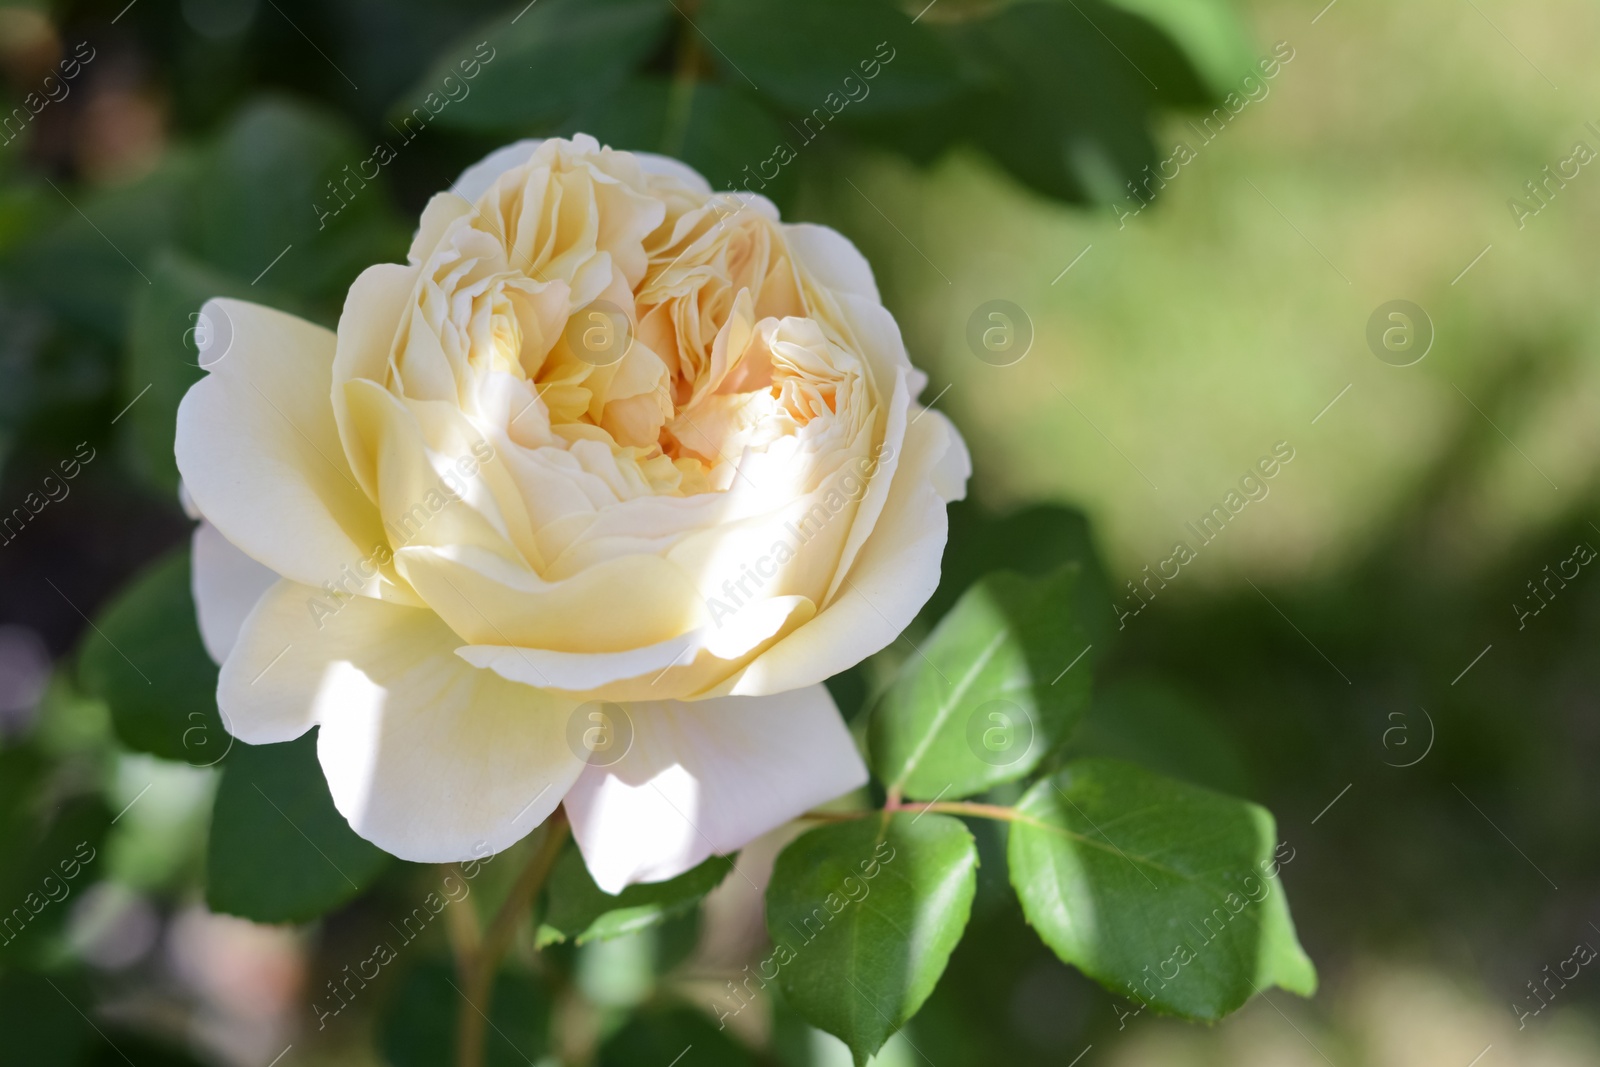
point(486, 510)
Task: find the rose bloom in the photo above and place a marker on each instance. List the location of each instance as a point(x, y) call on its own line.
point(579, 505)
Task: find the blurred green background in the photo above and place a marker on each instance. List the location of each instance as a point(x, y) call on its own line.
point(1353, 638)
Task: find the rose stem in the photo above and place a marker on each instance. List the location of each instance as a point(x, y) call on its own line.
point(962, 807)
point(461, 930)
point(479, 993)
point(948, 807)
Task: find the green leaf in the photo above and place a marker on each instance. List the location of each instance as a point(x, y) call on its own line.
point(1161, 891)
point(60, 380)
point(285, 180)
point(46, 858)
point(581, 911)
point(802, 54)
point(1064, 110)
point(632, 117)
point(163, 354)
point(1034, 540)
point(658, 1036)
point(1072, 90)
point(88, 264)
point(144, 658)
point(535, 66)
point(419, 1023)
point(279, 850)
point(995, 689)
point(864, 916)
point(1209, 33)
point(718, 130)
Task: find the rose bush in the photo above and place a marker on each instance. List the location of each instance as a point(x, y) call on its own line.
point(607, 436)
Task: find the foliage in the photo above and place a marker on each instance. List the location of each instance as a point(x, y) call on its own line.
point(146, 661)
point(279, 851)
point(581, 911)
point(860, 970)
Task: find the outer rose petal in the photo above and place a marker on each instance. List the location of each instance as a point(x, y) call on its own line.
point(226, 584)
point(707, 777)
point(373, 309)
point(851, 304)
point(476, 179)
point(893, 576)
point(832, 259)
point(260, 454)
point(427, 757)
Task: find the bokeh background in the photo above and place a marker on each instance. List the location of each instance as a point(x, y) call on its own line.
point(1358, 650)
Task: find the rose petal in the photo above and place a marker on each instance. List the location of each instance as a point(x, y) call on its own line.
point(832, 259)
point(478, 178)
point(950, 474)
point(621, 604)
point(895, 573)
point(260, 454)
point(226, 584)
point(592, 672)
point(427, 757)
point(269, 689)
point(373, 310)
point(705, 778)
point(433, 487)
point(441, 211)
